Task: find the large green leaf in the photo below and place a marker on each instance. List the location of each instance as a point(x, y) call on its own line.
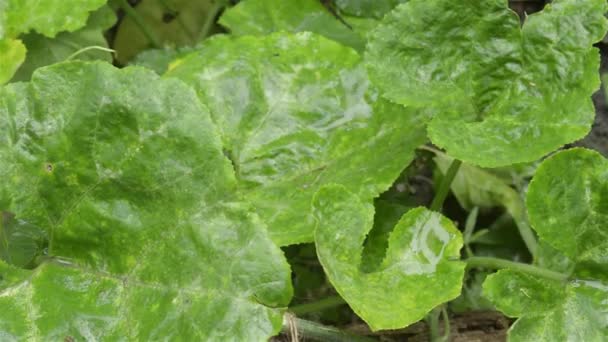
point(296, 112)
point(258, 17)
point(567, 204)
point(42, 51)
point(47, 17)
point(148, 240)
point(417, 274)
point(502, 93)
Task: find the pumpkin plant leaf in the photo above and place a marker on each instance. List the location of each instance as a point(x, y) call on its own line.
point(259, 17)
point(148, 239)
point(567, 207)
point(297, 111)
point(417, 274)
point(47, 17)
point(42, 50)
point(494, 84)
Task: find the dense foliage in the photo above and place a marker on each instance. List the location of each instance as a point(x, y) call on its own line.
point(177, 193)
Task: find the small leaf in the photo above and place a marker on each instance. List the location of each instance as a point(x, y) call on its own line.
point(42, 51)
point(417, 274)
point(567, 207)
point(297, 111)
point(550, 310)
point(148, 238)
point(494, 85)
point(47, 17)
point(12, 55)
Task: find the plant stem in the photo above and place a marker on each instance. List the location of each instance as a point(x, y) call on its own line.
point(315, 331)
point(446, 324)
point(139, 21)
point(526, 233)
point(89, 48)
point(495, 263)
point(444, 187)
point(323, 304)
point(210, 20)
point(432, 319)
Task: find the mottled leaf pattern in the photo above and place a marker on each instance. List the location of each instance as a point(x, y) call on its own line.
point(418, 273)
point(495, 86)
point(297, 111)
point(148, 239)
point(567, 207)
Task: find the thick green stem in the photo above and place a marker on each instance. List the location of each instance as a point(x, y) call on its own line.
point(306, 330)
point(139, 21)
point(495, 263)
point(432, 319)
point(444, 187)
point(323, 304)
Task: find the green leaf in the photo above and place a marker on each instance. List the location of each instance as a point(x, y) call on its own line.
point(47, 17)
point(260, 17)
point(494, 85)
point(296, 112)
point(42, 51)
point(148, 239)
point(160, 60)
point(550, 310)
point(367, 8)
point(417, 274)
point(567, 207)
point(12, 54)
point(174, 23)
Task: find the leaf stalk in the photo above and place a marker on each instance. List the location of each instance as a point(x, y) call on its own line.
point(496, 263)
point(444, 187)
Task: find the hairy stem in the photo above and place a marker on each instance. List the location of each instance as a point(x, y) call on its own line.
point(139, 21)
point(495, 263)
point(298, 328)
point(323, 304)
point(444, 187)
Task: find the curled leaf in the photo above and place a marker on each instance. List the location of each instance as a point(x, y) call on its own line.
point(417, 274)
